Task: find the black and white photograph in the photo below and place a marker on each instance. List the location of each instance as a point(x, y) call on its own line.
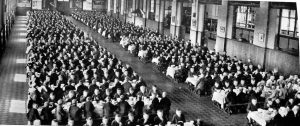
point(149, 63)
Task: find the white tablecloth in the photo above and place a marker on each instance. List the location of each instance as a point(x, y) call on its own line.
point(98, 108)
point(193, 80)
point(123, 42)
point(131, 48)
point(236, 91)
point(219, 96)
point(155, 60)
point(103, 33)
point(142, 53)
point(147, 102)
point(171, 71)
point(260, 117)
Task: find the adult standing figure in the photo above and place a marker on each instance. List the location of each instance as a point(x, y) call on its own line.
point(33, 114)
point(75, 113)
point(60, 114)
point(294, 116)
point(46, 115)
point(88, 108)
point(123, 107)
point(108, 108)
point(139, 107)
point(165, 104)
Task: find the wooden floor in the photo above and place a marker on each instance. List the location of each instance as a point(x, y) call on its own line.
point(13, 89)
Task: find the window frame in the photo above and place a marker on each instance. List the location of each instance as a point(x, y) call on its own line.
point(288, 37)
point(212, 34)
point(244, 29)
point(289, 18)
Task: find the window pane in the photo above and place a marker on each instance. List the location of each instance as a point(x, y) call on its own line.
point(214, 25)
point(285, 13)
point(291, 33)
point(284, 23)
point(293, 13)
point(292, 24)
point(245, 17)
point(243, 9)
point(250, 18)
point(297, 35)
point(241, 18)
point(250, 21)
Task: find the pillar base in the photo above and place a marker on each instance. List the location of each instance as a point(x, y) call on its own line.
point(220, 44)
point(196, 37)
point(115, 15)
point(161, 27)
point(177, 31)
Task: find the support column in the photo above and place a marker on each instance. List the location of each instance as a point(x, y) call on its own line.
point(115, 6)
point(201, 24)
point(71, 4)
point(55, 5)
point(1, 13)
point(159, 15)
point(148, 8)
point(109, 7)
point(145, 8)
point(261, 31)
point(261, 25)
point(176, 19)
point(197, 22)
point(44, 4)
point(1, 24)
point(222, 30)
point(122, 7)
point(133, 7)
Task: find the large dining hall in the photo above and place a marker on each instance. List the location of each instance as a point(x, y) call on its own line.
point(149, 63)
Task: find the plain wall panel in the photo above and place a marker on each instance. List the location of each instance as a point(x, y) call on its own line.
point(294, 44)
point(286, 63)
point(151, 24)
